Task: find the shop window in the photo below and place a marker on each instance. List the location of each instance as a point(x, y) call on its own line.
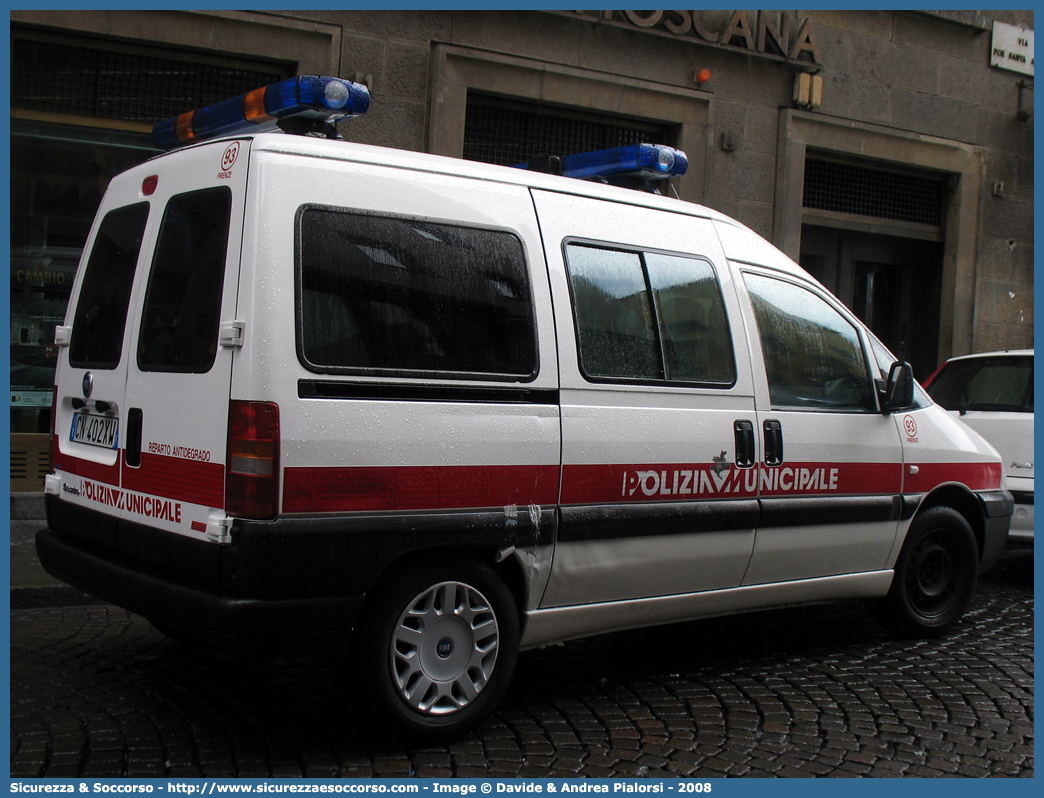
point(58, 176)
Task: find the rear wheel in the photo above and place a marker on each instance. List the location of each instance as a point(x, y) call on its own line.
point(440, 644)
point(934, 577)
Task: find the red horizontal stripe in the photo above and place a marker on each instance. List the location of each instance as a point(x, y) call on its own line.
point(189, 481)
point(606, 484)
point(842, 479)
point(977, 476)
point(87, 469)
point(323, 490)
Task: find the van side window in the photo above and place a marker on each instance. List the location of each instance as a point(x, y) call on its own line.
point(813, 356)
point(409, 296)
point(649, 316)
point(101, 313)
point(180, 323)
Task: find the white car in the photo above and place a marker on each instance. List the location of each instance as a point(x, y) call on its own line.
point(992, 393)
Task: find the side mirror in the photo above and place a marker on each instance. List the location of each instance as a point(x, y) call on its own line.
point(898, 392)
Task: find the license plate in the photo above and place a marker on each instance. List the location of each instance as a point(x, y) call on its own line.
point(95, 430)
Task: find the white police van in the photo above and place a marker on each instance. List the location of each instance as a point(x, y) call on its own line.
point(321, 397)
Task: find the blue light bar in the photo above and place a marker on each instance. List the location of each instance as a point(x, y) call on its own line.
point(647, 161)
point(307, 97)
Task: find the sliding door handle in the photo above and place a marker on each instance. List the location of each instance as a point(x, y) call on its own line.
point(773, 443)
point(744, 431)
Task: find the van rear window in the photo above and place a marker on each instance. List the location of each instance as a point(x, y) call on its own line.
point(179, 327)
point(403, 296)
point(101, 313)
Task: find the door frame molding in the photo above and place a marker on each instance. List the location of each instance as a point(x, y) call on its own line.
point(963, 164)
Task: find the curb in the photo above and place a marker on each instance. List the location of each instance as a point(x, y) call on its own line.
point(27, 506)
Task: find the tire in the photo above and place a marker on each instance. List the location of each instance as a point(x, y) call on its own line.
point(935, 575)
point(439, 646)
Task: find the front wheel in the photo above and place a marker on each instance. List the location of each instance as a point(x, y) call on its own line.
point(440, 644)
point(934, 577)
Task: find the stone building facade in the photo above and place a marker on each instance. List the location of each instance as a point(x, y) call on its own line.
point(891, 153)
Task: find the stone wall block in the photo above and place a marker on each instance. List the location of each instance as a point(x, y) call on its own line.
point(851, 98)
point(762, 129)
point(643, 55)
point(743, 176)
point(927, 113)
point(943, 37)
point(1008, 218)
point(413, 25)
point(407, 70)
point(168, 27)
point(79, 20)
point(544, 36)
point(1002, 130)
point(895, 65)
point(1005, 260)
point(865, 23)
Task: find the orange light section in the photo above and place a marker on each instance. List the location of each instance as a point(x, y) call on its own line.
point(254, 107)
point(183, 127)
point(702, 75)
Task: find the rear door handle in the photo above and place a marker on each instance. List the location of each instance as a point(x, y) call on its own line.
point(134, 422)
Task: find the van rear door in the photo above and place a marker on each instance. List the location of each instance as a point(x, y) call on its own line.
point(91, 378)
point(184, 339)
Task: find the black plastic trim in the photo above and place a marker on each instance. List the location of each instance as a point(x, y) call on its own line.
point(821, 511)
point(400, 392)
point(997, 504)
point(607, 522)
point(911, 502)
point(997, 507)
point(321, 555)
point(295, 556)
point(1022, 496)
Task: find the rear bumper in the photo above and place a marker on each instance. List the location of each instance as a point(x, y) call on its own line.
point(270, 627)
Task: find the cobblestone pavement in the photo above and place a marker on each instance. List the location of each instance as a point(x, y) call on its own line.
point(799, 692)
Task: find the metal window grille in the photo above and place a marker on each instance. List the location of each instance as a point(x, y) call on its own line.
point(507, 133)
point(878, 193)
point(72, 79)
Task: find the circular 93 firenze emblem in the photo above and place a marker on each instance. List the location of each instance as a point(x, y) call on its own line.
point(229, 158)
point(910, 425)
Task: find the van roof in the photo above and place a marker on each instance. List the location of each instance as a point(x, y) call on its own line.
point(739, 242)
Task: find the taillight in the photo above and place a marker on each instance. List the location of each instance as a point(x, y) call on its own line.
point(252, 470)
